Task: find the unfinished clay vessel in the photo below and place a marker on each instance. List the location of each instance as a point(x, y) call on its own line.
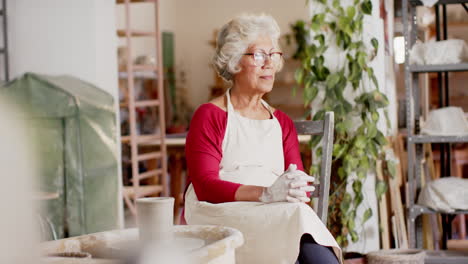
point(155, 218)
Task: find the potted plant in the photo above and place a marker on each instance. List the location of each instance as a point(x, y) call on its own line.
point(350, 89)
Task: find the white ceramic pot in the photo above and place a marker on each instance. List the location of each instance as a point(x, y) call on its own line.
point(155, 218)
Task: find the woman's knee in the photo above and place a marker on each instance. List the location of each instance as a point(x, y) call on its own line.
point(311, 252)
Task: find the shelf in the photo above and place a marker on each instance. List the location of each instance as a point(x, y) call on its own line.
point(446, 257)
point(139, 75)
point(148, 174)
point(142, 103)
point(419, 209)
point(142, 191)
point(437, 139)
point(147, 103)
point(136, 33)
point(439, 68)
point(141, 138)
point(140, 71)
point(149, 156)
point(136, 1)
point(440, 2)
point(144, 68)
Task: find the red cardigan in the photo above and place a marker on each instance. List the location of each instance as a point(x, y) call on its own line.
point(204, 152)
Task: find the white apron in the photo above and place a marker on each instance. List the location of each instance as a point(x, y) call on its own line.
point(253, 155)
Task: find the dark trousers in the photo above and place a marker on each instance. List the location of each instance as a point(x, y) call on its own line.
point(312, 253)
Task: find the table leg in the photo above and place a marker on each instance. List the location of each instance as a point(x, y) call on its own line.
point(175, 170)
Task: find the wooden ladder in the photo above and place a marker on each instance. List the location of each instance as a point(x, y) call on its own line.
point(136, 190)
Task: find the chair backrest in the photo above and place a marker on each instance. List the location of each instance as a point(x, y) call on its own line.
point(325, 128)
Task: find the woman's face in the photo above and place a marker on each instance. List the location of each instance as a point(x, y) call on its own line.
point(257, 78)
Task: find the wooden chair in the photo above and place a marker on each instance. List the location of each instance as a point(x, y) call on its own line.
point(322, 188)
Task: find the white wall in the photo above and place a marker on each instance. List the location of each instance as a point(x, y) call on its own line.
point(66, 37)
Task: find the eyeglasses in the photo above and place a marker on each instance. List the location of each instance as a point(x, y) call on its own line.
point(260, 57)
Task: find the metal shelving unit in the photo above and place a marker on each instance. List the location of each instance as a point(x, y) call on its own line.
point(132, 72)
point(416, 140)
point(4, 50)
point(439, 68)
point(420, 139)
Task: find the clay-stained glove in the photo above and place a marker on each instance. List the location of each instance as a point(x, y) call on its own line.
point(291, 186)
point(300, 188)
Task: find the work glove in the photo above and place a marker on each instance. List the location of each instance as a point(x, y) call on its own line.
point(291, 186)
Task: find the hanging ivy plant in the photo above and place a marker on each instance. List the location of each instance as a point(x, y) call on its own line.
point(358, 143)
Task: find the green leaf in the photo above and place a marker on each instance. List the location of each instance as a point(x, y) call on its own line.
point(372, 149)
point(350, 163)
point(318, 152)
point(360, 141)
point(311, 51)
point(340, 239)
point(361, 59)
point(351, 224)
point(371, 130)
point(314, 141)
point(341, 173)
point(339, 150)
point(380, 188)
point(320, 115)
point(336, 4)
point(332, 80)
point(352, 214)
point(367, 215)
point(375, 116)
point(321, 39)
point(298, 75)
point(343, 22)
point(364, 163)
point(370, 73)
point(391, 167)
point(380, 139)
point(346, 203)
point(339, 38)
point(309, 94)
point(375, 44)
point(357, 186)
point(366, 7)
point(354, 236)
point(380, 99)
point(313, 170)
point(340, 128)
point(361, 174)
point(389, 124)
point(351, 11)
point(358, 199)
point(317, 21)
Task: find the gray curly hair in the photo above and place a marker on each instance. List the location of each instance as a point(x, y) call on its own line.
point(235, 37)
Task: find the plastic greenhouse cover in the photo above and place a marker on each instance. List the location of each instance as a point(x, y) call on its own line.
point(73, 124)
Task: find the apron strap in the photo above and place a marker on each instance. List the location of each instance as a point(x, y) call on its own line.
point(230, 107)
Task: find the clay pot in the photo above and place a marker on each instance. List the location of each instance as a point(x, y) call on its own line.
point(155, 216)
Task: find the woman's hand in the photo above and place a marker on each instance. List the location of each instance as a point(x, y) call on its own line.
point(291, 186)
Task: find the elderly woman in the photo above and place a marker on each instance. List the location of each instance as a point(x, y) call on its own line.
point(243, 158)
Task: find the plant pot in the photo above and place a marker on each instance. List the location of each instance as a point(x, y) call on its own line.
point(175, 129)
point(354, 258)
